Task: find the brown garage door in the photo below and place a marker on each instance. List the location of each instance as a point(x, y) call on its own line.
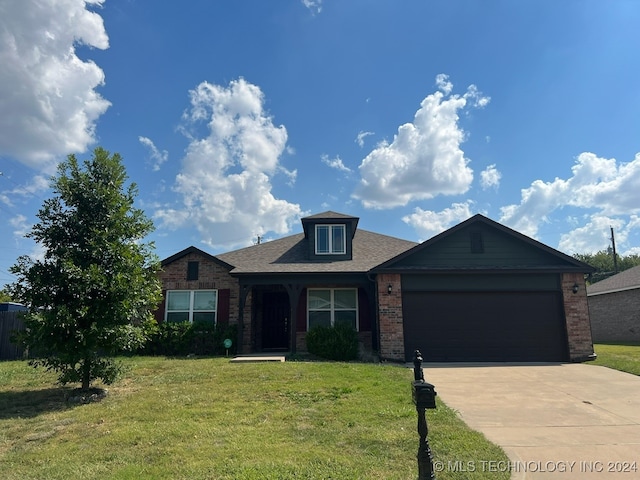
point(484, 326)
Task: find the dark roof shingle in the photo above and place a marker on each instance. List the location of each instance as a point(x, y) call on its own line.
point(290, 255)
point(625, 280)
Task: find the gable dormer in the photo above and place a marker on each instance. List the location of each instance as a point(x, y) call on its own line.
point(330, 236)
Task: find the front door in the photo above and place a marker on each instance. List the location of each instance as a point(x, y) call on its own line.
point(275, 321)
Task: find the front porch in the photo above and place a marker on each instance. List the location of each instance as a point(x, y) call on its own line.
point(275, 316)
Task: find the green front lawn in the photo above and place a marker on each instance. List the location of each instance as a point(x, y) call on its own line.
point(622, 356)
point(210, 419)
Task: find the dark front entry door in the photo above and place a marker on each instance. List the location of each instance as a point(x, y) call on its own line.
point(275, 320)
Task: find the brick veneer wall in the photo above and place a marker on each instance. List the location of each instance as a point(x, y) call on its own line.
point(390, 317)
point(615, 317)
point(211, 275)
point(576, 311)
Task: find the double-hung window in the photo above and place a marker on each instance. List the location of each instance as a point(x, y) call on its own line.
point(328, 306)
point(330, 239)
point(192, 306)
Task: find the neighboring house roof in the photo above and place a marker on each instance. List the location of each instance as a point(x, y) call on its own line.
point(625, 280)
point(291, 255)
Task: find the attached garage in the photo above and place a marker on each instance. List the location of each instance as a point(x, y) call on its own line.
point(485, 326)
point(481, 292)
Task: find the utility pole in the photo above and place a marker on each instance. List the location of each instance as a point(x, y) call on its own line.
point(615, 256)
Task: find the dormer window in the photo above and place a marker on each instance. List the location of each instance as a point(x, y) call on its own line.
point(330, 239)
point(329, 236)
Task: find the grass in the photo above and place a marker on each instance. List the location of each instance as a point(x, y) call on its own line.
point(619, 356)
point(210, 419)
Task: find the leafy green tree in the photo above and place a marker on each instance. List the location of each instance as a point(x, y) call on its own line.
point(604, 263)
point(91, 295)
point(5, 296)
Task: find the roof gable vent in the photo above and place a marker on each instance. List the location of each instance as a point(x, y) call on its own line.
point(475, 239)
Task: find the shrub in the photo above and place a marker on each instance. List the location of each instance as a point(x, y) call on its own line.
point(180, 339)
point(339, 342)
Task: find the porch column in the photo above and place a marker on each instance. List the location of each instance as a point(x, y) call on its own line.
point(244, 292)
point(371, 291)
point(293, 290)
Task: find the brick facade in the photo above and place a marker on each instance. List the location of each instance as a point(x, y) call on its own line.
point(576, 311)
point(390, 317)
point(215, 275)
point(452, 252)
point(615, 316)
point(211, 275)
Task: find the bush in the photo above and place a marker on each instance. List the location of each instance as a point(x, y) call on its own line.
point(339, 342)
point(180, 339)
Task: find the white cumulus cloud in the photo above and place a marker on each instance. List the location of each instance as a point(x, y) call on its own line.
point(158, 157)
point(48, 96)
point(361, 136)
point(607, 191)
point(490, 177)
point(594, 236)
point(225, 179)
point(37, 184)
point(443, 83)
point(20, 225)
point(596, 183)
point(428, 223)
point(425, 158)
point(314, 5)
point(335, 163)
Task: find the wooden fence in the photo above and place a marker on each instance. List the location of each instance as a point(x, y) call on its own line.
point(9, 322)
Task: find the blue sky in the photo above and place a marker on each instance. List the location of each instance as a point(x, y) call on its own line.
point(236, 118)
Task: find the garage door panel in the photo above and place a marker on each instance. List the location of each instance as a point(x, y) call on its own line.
point(484, 326)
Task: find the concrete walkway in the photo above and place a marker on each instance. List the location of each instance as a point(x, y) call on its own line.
point(554, 421)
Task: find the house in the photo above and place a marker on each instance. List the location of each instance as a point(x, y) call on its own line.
point(477, 292)
point(614, 307)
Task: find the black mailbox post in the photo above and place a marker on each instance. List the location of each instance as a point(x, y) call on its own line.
point(424, 396)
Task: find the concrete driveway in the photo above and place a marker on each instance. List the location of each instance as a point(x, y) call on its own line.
point(554, 421)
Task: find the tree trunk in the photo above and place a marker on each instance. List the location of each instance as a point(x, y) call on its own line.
point(86, 374)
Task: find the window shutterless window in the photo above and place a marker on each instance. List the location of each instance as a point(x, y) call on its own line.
point(328, 306)
point(192, 306)
point(330, 239)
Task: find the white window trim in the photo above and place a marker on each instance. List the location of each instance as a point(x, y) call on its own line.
point(191, 301)
point(333, 309)
point(331, 246)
